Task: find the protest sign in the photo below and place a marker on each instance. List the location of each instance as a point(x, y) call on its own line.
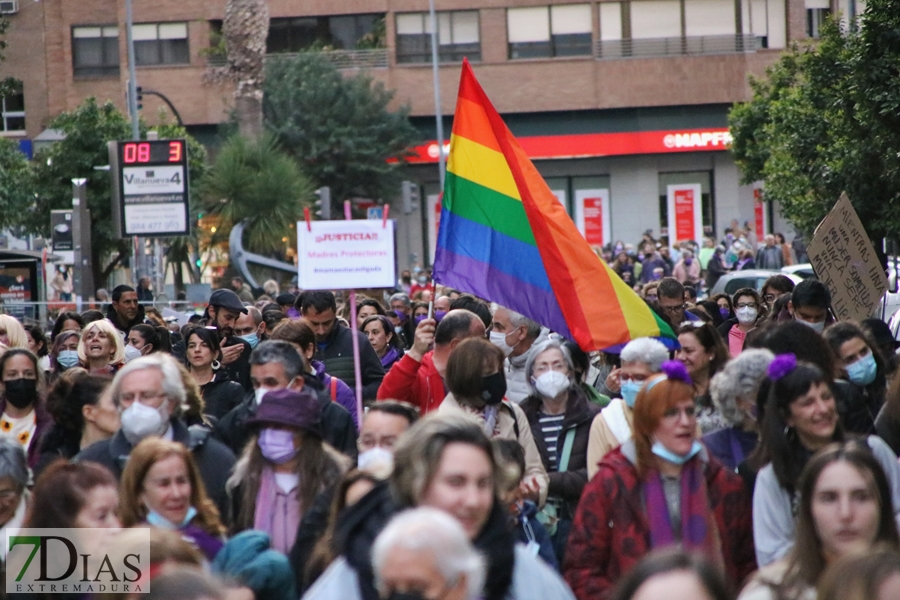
point(844, 260)
point(336, 255)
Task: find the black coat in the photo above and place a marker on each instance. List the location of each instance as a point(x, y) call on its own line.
point(579, 415)
point(113, 317)
point(220, 395)
point(239, 370)
point(214, 460)
point(338, 358)
point(338, 426)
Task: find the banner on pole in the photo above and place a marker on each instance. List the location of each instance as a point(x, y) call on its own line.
point(335, 255)
point(844, 259)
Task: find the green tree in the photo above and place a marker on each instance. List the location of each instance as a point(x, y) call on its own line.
point(87, 128)
point(826, 119)
point(256, 182)
point(339, 128)
point(16, 185)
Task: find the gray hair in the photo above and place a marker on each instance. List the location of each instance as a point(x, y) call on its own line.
point(281, 352)
point(532, 328)
point(402, 298)
point(740, 378)
point(172, 383)
point(429, 530)
point(540, 349)
point(14, 463)
point(645, 350)
point(255, 315)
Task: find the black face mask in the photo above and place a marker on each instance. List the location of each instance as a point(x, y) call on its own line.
point(20, 392)
point(493, 388)
point(406, 596)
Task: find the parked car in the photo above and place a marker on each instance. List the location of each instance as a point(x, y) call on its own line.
point(729, 283)
point(803, 271)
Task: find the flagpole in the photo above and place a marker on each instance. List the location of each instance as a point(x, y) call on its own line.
point(438, 117)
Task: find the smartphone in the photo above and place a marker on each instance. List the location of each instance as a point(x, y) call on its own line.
point(431, 309)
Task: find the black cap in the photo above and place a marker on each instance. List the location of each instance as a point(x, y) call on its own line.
point(227, 299)
point(286, 298)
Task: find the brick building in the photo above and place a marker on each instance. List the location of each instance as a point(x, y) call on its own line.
point(616, 100)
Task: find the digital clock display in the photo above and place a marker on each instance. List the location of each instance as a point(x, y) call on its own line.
point(152, 152)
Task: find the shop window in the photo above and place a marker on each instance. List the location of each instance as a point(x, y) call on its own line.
point(12, 110)
point(458, 37)
point(340, 32)
point(95, 51)
point(549, 31)
point(161, 44)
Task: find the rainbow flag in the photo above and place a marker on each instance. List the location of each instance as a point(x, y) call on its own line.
point(505, 237)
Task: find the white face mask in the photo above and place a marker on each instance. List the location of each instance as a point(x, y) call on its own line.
point(817, 327)
point(551, 384)
point(259, 393)
point(499, 339)
point(132, 353)
point(746, 315)
point(375, 459)
point(140, 421)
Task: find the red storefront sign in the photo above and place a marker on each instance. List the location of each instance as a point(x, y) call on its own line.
point(684, 214)
point(593, 221)
point(603, 144)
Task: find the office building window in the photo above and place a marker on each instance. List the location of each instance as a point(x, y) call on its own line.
point(815, 19)
point(548, 31)
point(342, 32)
point(12, 111)
point(161, 44)
point(458, 37)
point(95, 51)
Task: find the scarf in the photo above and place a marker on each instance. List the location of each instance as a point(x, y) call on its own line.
point(698, 527)
point(390, 357)
point(277, 512)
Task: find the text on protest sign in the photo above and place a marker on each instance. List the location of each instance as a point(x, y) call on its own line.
point(845, 261)
point(346, 254)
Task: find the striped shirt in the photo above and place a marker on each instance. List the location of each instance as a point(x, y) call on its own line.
point(551, 427)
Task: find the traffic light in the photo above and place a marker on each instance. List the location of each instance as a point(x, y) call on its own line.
point(411, 196)
point(323, 203)
point(140, 97)
point(199, 262)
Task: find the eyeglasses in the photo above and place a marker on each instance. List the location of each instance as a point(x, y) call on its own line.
point(770, 298)
point(672, 414)
point(747, 305)
point(674, 309)
point(142, 397)
point(629, 378)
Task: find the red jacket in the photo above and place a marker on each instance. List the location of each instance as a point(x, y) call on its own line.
point(415, 382)
point(611, 532)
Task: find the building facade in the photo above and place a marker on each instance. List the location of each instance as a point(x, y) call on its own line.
point(618, 102)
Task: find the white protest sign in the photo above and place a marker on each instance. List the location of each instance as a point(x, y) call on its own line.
point(335, 255)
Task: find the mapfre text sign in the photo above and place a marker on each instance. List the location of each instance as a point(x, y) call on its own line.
point(335, 255)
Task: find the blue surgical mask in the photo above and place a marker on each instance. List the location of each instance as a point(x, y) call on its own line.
point(676, 459)
point(630, 391)
point(67, 358)
point(252, 339)
point(157, 520)
point(863, 371)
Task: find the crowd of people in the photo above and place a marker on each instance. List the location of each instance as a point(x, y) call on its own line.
point(488, 458)
point(700, 265)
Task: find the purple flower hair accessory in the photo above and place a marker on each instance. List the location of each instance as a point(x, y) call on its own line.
point(676, 371)
point(781, 366)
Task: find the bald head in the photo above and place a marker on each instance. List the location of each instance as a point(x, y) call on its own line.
point(458, 325)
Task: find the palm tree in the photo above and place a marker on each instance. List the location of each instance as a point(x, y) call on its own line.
point(256, 182)
point(245, 29)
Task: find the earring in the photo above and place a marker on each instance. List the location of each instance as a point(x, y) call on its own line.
point(216, 365)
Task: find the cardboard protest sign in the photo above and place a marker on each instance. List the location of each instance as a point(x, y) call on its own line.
point(335, 255)
point(844, 259)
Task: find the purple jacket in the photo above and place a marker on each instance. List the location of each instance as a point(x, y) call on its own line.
point(344, 395)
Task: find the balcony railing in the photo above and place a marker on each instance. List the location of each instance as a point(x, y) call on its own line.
point(675, 46)
point(376, 58)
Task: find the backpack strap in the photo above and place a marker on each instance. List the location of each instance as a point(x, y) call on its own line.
point(566, 451)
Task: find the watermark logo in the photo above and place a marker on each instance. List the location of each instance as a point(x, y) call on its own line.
point(77, 561)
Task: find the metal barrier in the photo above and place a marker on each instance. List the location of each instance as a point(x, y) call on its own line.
point(675, 46)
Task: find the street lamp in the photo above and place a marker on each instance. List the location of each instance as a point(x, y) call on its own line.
point(438, 117)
